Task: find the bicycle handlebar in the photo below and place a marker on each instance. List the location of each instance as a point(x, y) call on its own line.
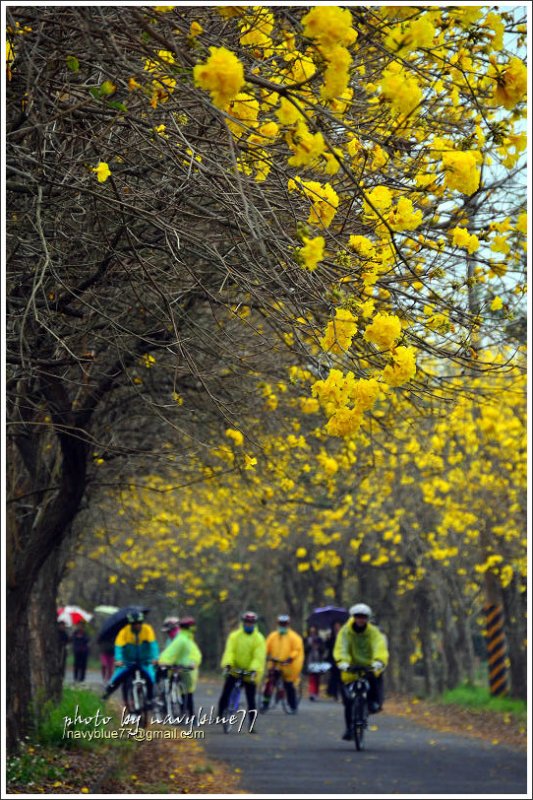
point(240, 672)
point(358, 668)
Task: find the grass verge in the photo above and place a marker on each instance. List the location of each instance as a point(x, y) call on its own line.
point(479, 697)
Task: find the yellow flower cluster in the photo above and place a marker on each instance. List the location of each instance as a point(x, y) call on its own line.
point(384, 331)
point(345, 422)
point(379, 198)
point(235, 436)
point(403, 367)
point(256, 29)
point(329, 26)
point(324, 200)
point(222, 76)
point(163, 83)
point(102, 171)
point(339, 332)
point(337, 75)
point(364, 393)
point(333, 392)
point(461, 238)
point(411, 36)
point(362, 245)
point(461, 171)
point(331, 29)
point(244, 109)
point(400, 89)
point(312, 252)
point(328, 464)
point(309, 405)
point(344, 400)
point(511, 85)
point(403, 217)
point(306, 146)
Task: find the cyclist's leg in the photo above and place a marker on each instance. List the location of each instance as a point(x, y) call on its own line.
point(347, 702)
point(250, 689)
point(116, 679)
point(375, 694)
point(291, 694)
point(189, 704)
point(229, 683)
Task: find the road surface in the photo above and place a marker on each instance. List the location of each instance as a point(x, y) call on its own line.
point(304, 754)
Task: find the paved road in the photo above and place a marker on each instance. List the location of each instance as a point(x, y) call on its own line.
point(304, 754)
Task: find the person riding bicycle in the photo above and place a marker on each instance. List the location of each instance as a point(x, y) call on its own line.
point(170, 626)
point(287, 648)
point(184, 651)
point(245, 649)
point(135, 645)
point(359, 643)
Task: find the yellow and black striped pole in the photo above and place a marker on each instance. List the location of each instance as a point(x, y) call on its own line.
point(497, 650)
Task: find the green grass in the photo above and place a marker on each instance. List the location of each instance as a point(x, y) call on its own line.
point(479, 697)
point(32, 767)
point(76, 703)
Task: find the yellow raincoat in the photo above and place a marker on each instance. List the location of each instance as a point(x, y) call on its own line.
point(283, 646)
point(183, 650)
point(245, 651)
point(360, 649)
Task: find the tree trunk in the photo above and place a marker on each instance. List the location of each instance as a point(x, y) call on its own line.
point(33, 533)
point(338, 585)
point(46, 653)
point(426, 640)
point(515, 605)
point(449, 644)
point(18, 683)
point(465, 646)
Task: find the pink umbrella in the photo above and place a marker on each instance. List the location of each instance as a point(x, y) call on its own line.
point(71, 615)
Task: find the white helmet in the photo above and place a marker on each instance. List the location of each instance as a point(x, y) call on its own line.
point(362, 609)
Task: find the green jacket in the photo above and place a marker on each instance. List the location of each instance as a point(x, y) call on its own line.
point(360, 649)
point(245, 651)
point(184, 650)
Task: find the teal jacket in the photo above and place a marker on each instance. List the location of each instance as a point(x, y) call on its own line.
point(130, 647)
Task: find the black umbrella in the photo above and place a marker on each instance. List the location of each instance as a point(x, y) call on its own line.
point(327, 616)
point(117, 621)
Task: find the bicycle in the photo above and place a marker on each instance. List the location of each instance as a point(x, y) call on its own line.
point(230, 714)
point(357, 690)
point(136, 694)
point(172, 690)
point(274, 690)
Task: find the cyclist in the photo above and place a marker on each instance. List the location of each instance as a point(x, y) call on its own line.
point(359, 643)
point(170, 626)
point(135, 644)
point(183, 650)
point(245, 649)
point(287, 647)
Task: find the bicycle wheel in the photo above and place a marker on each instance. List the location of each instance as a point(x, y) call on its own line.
point(129, 696)
point(359, 722)
point(139, 697)
point(233, 706)
point(265, 701)
point(177, 697)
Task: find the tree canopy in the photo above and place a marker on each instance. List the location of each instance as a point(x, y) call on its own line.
point(277, 254)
